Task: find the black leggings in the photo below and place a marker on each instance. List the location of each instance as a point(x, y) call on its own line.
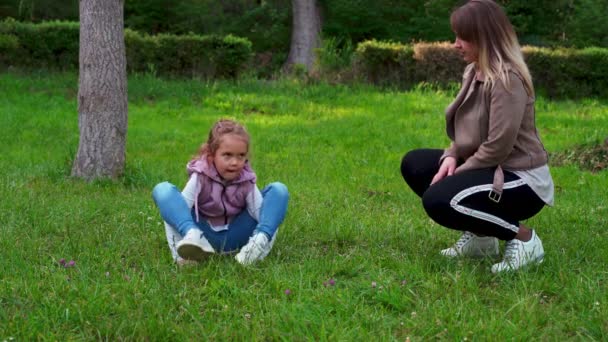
point(461, 201)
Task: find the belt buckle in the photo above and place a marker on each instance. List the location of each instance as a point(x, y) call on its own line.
point(494, 196)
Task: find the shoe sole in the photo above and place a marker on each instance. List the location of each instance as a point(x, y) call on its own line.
point(186, 263)
point(537, 261)
point(192, 252)
point(540, 259)
point(472, 256)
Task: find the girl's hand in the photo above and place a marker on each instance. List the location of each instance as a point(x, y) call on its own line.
point(448, 165)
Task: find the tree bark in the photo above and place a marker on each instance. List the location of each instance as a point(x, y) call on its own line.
point(305, 34)
point(102, 91)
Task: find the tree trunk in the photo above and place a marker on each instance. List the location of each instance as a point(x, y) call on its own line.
point(305, 34)
point(102, 91)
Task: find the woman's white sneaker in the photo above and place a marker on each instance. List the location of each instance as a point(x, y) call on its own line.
point(519, 254)
point(471, 245)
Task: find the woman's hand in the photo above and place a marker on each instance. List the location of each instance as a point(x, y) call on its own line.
point(448, 165)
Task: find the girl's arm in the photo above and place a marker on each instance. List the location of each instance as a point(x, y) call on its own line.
point(254, 203)
point(191, 189)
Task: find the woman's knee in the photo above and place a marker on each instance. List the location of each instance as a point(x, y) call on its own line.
point(416, 164)
point(436, 205)
point(407, 162)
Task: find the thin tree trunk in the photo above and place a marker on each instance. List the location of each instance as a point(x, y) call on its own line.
point(102, 90)
point(305, 34)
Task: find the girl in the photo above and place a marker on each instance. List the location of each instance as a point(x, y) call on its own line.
point(495, 173)
point(221, 208)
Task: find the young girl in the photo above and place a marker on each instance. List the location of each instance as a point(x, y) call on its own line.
point(221, 209)
point(494, 174)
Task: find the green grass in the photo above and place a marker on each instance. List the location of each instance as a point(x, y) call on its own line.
point(351, 218)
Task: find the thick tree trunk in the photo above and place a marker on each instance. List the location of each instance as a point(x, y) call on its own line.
point(102, 90)
point(305, 34)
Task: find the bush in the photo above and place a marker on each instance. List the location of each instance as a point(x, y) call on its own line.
point(8, 48)
point(555, 72)
point(51, 45)
point(141, 51)
point(55, 45)
point(230, 54)
point(385, 63)
point(437, 63)
point(569, 72)
point(187, 55)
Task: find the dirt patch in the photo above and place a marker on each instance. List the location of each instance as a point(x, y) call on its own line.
point(592, 158)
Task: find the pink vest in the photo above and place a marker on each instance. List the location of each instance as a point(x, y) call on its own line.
point(217, 200)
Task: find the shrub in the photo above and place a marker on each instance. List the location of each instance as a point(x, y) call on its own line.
point(55, 45)
point(141, 50)
point(47, 45)
point(556, 72)
point(569, 72)
point(229, 54)
point(8, 48)
point(437, 63)
point(385, 63)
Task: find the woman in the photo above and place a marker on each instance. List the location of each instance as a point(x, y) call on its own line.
point(494, 174)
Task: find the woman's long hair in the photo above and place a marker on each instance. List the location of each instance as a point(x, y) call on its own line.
point(485, 24)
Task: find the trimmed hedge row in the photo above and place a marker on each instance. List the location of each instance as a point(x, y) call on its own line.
point(45, 45)
point(187, 55)
point(55, 45)
point(555, 72)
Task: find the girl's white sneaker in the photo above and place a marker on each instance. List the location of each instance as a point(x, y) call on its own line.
point(194, 246)
point(256, 249)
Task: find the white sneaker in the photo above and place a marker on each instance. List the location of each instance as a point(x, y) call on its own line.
point(194, 246)
point(181, 263)
point(471, 245)
point(519, 254)
point(256, 249)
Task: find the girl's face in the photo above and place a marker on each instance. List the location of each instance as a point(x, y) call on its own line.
point(468, 51)
point(230, 157)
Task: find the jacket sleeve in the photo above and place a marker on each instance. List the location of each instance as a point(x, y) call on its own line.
point(190, 190)
point(507, 108)
point(254, 201)
point(467, 78)
point(449, 152)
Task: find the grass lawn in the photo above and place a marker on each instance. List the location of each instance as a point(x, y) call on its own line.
point(351, 219)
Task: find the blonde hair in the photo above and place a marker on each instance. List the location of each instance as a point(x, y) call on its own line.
point(220, 128)
point(485, 24)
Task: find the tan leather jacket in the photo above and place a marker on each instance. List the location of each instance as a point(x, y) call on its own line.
point(493, 127)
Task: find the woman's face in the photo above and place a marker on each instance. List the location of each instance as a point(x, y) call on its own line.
point(468, 51)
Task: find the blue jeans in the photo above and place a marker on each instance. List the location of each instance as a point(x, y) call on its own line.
point(175, 211)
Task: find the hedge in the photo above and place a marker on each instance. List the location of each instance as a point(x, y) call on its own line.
point(385, 63)
point(46, 45)
point(569, 72)
point(55, 45)
point(556, 72)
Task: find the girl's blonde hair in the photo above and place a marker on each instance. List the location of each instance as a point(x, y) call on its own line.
point(219, 129)
point(485, 24)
